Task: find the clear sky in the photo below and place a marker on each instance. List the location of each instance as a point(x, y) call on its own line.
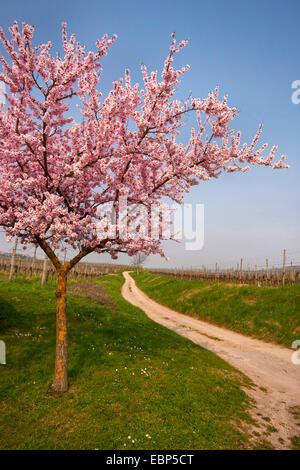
point(250, 49)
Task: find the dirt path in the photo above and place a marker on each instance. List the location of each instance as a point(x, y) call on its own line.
point(269, 366)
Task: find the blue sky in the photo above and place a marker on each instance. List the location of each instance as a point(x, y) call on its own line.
point(251, 50)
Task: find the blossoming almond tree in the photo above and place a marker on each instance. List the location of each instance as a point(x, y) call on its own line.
point(56, 173)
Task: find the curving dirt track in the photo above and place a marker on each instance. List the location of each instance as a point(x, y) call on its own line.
point(269, 366)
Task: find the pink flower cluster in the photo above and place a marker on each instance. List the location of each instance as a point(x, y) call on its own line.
point(55, 172)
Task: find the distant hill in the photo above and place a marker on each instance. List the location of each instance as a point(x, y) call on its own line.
point(8, 255)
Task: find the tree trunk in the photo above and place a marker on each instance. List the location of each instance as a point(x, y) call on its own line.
point(60, 383)
point(45, 271)
point(13, 260)
point(33, 262)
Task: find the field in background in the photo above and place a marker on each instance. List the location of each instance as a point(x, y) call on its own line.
point(268, 313)
point(257, 276)
point(25, 266)
point(133, 383)
point(272, 275)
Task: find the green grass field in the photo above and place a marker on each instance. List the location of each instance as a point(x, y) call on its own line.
point(270, 314)
point(133, 383)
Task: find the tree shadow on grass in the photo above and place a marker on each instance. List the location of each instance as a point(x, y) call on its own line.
point(9, 317)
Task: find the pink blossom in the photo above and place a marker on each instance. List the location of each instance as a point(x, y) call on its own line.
point(56, 173)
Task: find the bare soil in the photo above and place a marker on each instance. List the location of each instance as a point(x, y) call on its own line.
point(92, 291)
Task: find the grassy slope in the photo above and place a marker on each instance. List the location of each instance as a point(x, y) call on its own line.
point(128, 377)
point(271, 314)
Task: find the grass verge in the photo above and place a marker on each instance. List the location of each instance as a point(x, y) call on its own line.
point(270, 314)
point(133, 383)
